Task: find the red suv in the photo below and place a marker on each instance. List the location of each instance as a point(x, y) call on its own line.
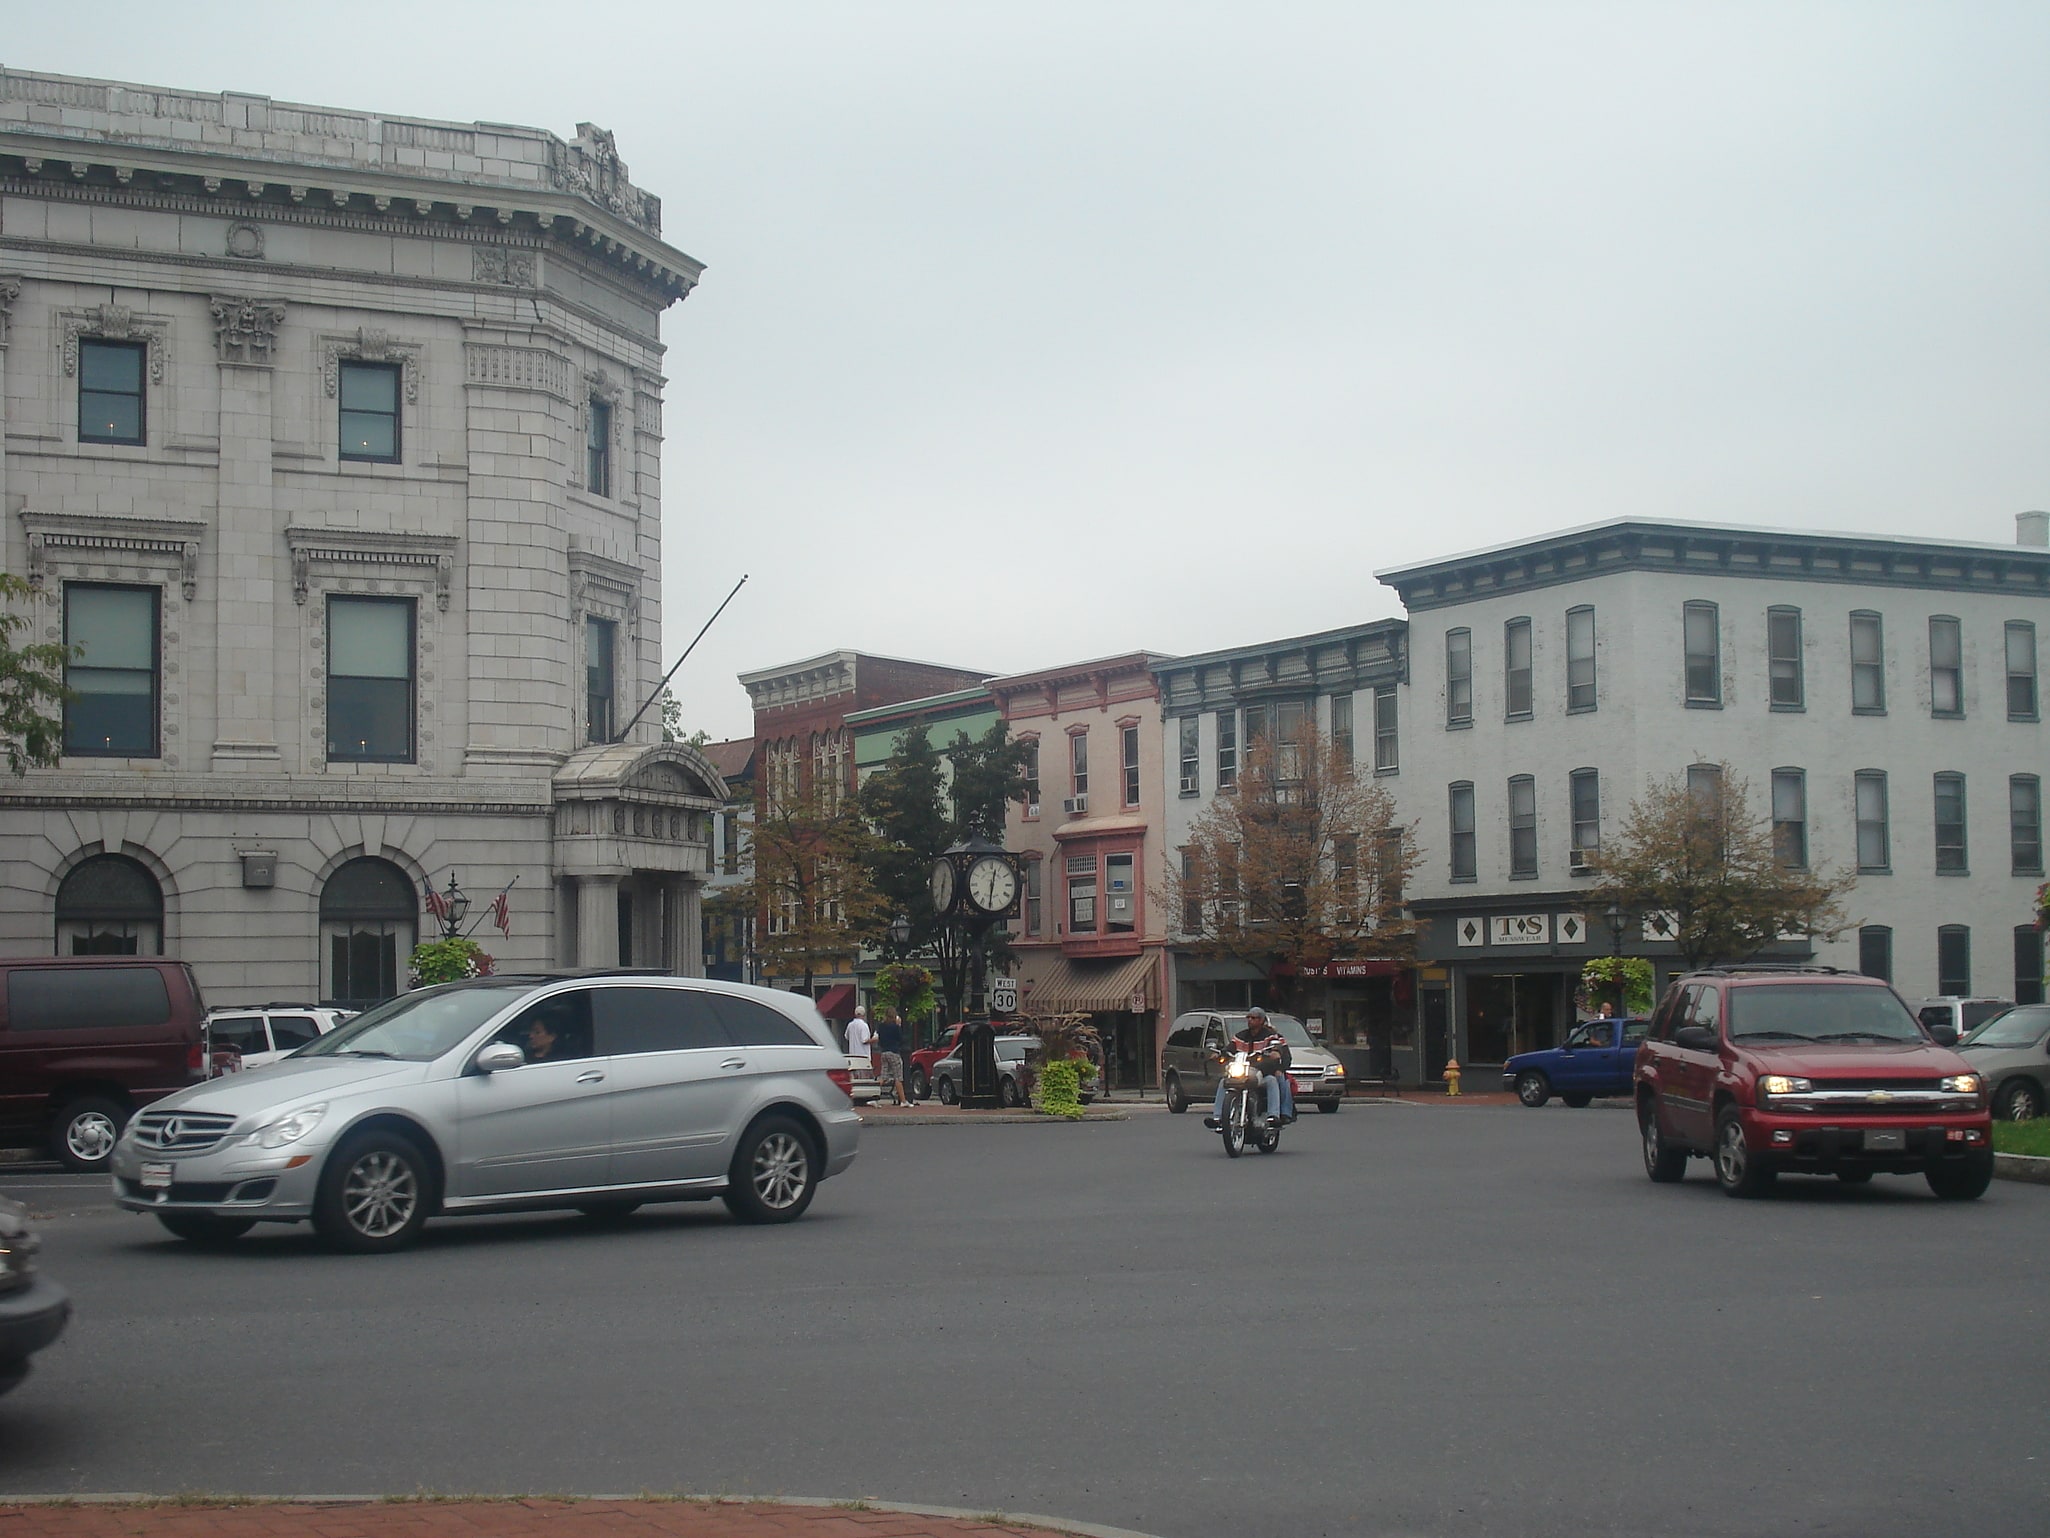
point(1808, 1070)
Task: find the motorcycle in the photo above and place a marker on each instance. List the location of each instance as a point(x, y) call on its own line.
point(1244, 1123)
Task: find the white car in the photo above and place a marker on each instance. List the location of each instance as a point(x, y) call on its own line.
point(262, 1033)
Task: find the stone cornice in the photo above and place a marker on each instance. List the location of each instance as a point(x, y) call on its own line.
point(67, 791)
point(1369, 656)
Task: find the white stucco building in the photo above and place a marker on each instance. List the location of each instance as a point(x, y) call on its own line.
point(333, 440)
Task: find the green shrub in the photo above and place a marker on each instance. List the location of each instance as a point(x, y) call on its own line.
point(448, 961)
point(1060, 1084)
point(2023, 1137)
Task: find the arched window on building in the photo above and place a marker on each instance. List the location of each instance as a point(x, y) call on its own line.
point(110, 906)
point(368, 919)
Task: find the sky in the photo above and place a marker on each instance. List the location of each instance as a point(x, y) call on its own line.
point(1037, 333)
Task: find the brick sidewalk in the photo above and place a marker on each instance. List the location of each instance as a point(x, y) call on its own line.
point(531, 1518)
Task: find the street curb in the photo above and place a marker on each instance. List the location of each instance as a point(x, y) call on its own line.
point(2022, 1167)
point(986, 1119)
point(1059, 1525)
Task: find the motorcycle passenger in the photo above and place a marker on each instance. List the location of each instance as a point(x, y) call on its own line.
point(1257, 1039)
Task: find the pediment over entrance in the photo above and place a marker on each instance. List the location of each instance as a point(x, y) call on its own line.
point(668, 773)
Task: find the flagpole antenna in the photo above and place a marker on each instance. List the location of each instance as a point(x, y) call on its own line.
point(680, 661)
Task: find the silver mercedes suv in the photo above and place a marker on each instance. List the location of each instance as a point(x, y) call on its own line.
point(591, 1091)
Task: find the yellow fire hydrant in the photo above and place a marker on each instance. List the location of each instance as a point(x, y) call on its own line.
point(1452, 1076)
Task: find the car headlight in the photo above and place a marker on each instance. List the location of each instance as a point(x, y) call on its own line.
point(286, 1129)
point(1961, 1084)
point(1776, 1084)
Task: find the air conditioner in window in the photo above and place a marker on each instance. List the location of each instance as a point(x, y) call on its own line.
point(1580, 861)
point(1075, 806)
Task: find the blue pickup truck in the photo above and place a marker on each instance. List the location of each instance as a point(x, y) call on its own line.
point(1596, 1060)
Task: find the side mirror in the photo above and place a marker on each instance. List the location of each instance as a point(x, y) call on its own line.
point(497, 1056)
point(1945, 1033)
point(1695, 1038)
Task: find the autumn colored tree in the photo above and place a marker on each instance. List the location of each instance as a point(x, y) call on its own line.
point(811, 888)
point(32, 691)
point(1691, 847)
point(1302, 865)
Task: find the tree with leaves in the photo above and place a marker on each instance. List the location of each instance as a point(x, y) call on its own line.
point(922, 801)
point(811, 890)
point(1304, 864)
point(32, 691)
point(1692, 848)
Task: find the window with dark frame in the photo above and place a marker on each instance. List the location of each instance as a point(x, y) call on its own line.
point(1523, 834)
point(1790, 818)
point(2028, 964)
point(1078, 763)
point(1465, 859)
point(1035, 894)
point(1388, 867)
point(1787, 686)
point(598, 450)
point(1192, 899)
point(1946, 667)
point(1387, 743)
point(1702, 637)
point(1868, 664)
point(1128, 747)
point(1291, 717)
point(1516, 686)
point(370, 680)
point(369, 411)
point(1341, 728)
point(600, 639)
point(1345, 877)
point(2025, 824)
point(1874, 841)
point(1950, 825)
point(1584, 788)
point(2021, 670)
point(1459, 678)
point(1191, 755)
point(1580, 675)
point(1227, 751)
point(1082, 894)
point(1954, 960)
point(114, 673)
point(111, 403)
point(1875, 952)
point(1029, 772)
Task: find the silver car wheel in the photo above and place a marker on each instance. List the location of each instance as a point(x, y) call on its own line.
point(380, 1194)
point(90, 1136)
point(1731, 1156)
point(781, 1170)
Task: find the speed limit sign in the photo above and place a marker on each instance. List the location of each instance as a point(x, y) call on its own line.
point(1003, 995)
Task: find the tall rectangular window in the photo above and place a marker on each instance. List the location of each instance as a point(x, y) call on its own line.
point(1783, 658)
point(1290, 717)
point(1465, 861)
point(1387, 743)
point(2028, 964)
point(1868, 664)
point(1459, 678)
point(1523, 846)
point(1078, 763)
point(1191, 756)
point(1128, 751)
point(598, 450)
point(1875, 952)
point(370, 680)
point(1790, 818)
point(1082, 894)
point(1585, 788)
point(1345, 877)
point(1192, 901)
point(1388, 867)
point(1029, 771)
point(1954, 959)
point(1341, 728)
point(110, 392)
point(1946, 667)
point(1516, 690)
point(1120, 894)
point(1702, 637)
point(1874, 853)
point(1035, 896)
point(1950, 825)
point(2021, 670)
point(1580, 691)
point(1227, 750)
point(600, 636)
point(113, 673)
point(370, 411)
point(2025, 824)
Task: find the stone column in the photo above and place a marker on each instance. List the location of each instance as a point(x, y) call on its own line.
point(598, 921)
point(10, 290)
point(246, 541)
point(686, 927)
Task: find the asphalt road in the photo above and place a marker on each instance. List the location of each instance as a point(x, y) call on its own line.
point(1473, 1320)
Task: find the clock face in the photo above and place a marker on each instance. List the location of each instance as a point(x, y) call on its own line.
point(942, 885)
point(992, 883)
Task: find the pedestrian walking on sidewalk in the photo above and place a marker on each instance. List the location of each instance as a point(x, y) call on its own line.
point(890, 1057)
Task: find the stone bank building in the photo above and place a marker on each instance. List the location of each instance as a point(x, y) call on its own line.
point(332, 443)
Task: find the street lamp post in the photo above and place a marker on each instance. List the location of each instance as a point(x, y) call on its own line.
point(454, 904)
point(1615, 916)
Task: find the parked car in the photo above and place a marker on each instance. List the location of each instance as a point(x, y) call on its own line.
point(1959, 1014)
point(862, 1085)
point(2012, 1052)
point(1811, 1071)
point(1596, 1059)
point(592, 1091)
point(919, 1069)
point(1188, 1061)
point(260, 1034)
point(85, 1042)
point(33, 1309)
point(1013, 1080)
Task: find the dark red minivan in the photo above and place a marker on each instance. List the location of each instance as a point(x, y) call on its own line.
point(86, 1041)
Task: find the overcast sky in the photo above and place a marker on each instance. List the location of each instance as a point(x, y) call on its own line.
point(1033, 333)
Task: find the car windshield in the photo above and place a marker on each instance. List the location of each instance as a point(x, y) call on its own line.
point(1819, 1012)
point(2020, 1027)
point(416, 1027)
point(1012, 1049)
point(1291, 1030)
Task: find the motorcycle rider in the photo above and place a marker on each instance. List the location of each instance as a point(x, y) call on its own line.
point(1269, 1053)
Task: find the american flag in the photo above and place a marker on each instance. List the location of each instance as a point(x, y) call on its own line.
point(437, 904)
point(501, 915)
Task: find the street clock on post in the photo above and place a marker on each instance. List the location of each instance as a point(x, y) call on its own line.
point(944, 885)
point(992, 884)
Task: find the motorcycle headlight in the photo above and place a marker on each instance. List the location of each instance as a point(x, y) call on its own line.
point(286, 1129)
point(1961, 1084)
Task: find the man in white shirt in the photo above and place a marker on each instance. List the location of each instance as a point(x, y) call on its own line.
point(858, 1033)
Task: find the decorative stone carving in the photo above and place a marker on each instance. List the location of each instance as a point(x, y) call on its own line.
point(84, 541)
point(517, 368)
point(10, 290)
point(591, 168)
point(501, 264)
point(367, 553)
point(116, 323)
point(245, 330)
point(371, 346)
point(245, 241)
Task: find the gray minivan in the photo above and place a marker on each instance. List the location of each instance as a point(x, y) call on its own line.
point(595, 1092)
point(1188, 1062)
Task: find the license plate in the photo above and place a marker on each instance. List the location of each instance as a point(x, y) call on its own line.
point(1893, 1139)
point(156, 1177)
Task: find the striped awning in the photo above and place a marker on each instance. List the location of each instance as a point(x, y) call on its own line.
point(1061, 985)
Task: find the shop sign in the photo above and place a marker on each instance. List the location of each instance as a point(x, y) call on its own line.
point(1571, 928)
point(1520, 929)
point(1349, 969)
point(1661, 926)
point(1473, 931)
